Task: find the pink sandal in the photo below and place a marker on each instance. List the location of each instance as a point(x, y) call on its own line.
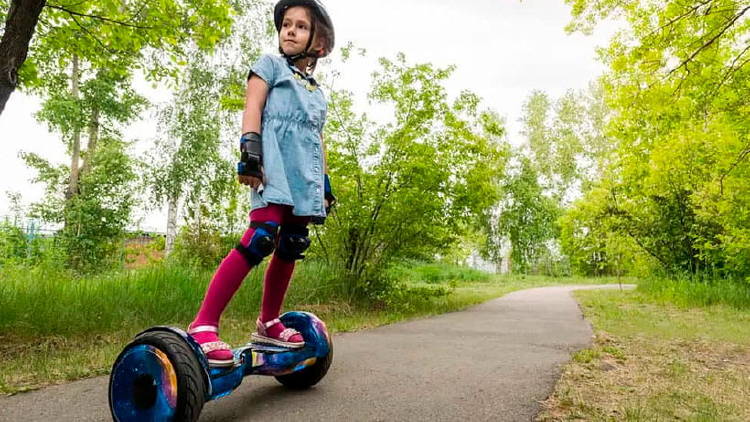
point(283, 340)
point(217, 352)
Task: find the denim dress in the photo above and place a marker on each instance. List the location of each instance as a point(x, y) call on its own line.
point(291, 127)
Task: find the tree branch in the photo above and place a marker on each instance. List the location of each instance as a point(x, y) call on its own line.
point(102, 18)
point(91, 34)
point(744, 154)
point(711, 41)
point(732, 69)
point(615, 210)
point(676, 19)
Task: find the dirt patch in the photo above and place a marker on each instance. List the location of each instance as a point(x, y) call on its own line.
point(649, 379)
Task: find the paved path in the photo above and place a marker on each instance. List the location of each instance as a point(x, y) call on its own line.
point(492, 362)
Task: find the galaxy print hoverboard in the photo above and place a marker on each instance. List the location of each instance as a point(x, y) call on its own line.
point(162, 375)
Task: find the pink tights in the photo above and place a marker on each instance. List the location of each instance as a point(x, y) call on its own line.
point(234, 268)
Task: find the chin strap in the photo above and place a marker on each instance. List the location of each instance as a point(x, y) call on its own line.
point(294, 58)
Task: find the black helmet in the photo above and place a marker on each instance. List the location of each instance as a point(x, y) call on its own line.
point(320, 12)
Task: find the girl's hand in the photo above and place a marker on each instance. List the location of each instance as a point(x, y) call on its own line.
point(251, 181)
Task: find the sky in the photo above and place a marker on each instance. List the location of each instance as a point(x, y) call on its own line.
point(502, 50)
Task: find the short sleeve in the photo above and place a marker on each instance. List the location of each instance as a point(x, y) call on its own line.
point(265, 68)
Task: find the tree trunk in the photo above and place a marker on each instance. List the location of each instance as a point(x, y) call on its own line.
point(76, 147)
point(171, 225)
point(22, 18)
point(93, 139)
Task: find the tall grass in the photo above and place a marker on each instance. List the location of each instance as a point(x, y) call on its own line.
point(437, 272)
point(689, 292)
point(56, 326)
point(44, 301)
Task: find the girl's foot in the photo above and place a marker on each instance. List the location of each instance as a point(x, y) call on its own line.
point(274, 332)
point(217, 352)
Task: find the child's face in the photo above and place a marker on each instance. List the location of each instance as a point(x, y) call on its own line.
point(295, 32)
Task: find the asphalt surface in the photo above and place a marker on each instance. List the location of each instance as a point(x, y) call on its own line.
point(492, 362)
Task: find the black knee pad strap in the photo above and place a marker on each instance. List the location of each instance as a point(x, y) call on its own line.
point(293, 241)
point(261, 244)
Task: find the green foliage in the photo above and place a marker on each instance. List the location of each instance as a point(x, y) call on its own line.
point(188, 162)
point(191, 167)
point(593, 241)
point(566, 150)
point(122, 36)
point(527, 216)
point(17, 247)
point(202, 245)
point(436, 273)
point(106, 93)
point(13, 243)
point(43, 297)
point(565, 140)
point(96, 218)
point(406, 187)
point(87, 90)
point(677, 84)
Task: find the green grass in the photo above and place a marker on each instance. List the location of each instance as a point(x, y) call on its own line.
point(657, 359)
point(55, 328)
point(638, 313)
point(693, 293)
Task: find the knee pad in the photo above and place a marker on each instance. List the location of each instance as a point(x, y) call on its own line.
point(261, 244)
point(293, 241)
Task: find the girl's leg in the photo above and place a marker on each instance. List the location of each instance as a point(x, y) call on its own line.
point(275, 284)
point(227, 280)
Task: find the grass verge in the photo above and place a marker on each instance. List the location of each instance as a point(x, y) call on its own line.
point(656, 360)
point(55, 329)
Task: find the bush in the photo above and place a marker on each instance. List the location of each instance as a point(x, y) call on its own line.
point(202, 246)
point(13, 243)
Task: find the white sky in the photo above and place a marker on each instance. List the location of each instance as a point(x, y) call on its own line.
point(503, 49)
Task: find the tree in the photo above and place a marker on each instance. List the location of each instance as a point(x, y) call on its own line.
point(20, 22)
point(526, 215)
point(565, 150)
point(677, 84)
point(195, 157)
point(592, 239)
point(87, 84)
point(147, 35)
point(97, 217)
point(565, 140)
point(407, 187)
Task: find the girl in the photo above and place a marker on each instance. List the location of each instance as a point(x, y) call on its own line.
point(283, 161)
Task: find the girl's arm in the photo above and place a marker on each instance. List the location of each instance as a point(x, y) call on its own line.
point(255, 100)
